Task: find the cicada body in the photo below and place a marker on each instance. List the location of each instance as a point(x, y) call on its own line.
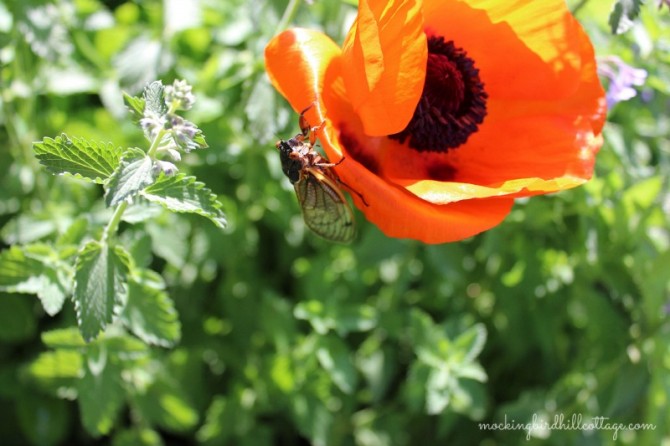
point(324, 207)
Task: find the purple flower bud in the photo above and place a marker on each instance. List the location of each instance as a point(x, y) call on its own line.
point(183, 132)
point(621, 79)
point(170, 151)
point(166, 167)
point(152, 124)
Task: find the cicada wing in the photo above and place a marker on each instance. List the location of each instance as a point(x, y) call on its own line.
point(324, 208)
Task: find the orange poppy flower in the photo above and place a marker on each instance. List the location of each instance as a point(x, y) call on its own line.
point(445, 111)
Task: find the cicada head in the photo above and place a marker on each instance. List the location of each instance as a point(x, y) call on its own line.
point(290, 165)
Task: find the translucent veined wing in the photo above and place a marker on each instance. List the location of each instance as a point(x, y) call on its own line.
point(324, 208)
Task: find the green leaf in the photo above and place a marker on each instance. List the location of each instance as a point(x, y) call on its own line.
point(28, 228)
point(150, 313)
point(57, 369)
point(100, 286)
point(133, 174)
point(122, 346)
point(100, 392)
point(155, 99)
point(138, 437)
point(199, 140)
point(624, 13)
point(335, 358)
point(63, 338)
point(439, 389)
point(75, 233)
point(135, 106)
point(75, 156)
point(181, 193)
point(23, 269)
point(166, 405)
point(471, 342)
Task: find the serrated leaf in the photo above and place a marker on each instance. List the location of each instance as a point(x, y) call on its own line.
point(623, 15)
point(135, 106)
point(100, 392)
point(133, 174)
point(183, 194)
point(75, 156)
point(471, 342)
point(100, 286)
point(155, 99)
point(23, 271)
point(150, 314)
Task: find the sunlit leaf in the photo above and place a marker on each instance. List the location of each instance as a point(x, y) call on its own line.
point(166, 405)
point(135, 106)
point(56, 369)
point(184, 194)
point(24, 270)
point(155, 99)
point(133, 174)
point(100, 286)
point(63, 338)
point(138, 437)
point(78, 157)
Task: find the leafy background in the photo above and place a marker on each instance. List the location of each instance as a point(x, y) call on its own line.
point(264, 334)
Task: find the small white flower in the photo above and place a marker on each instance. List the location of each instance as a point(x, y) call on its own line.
point(179, 94)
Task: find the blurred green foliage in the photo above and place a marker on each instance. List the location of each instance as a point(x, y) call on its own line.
point(286, 339)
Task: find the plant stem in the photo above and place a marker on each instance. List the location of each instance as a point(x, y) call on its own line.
point(288, 15)
point(579, 6)
point(155, 143)
point(113, 223)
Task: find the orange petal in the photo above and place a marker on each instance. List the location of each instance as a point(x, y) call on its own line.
point(384, 63)
point(297, 62)
point(523, 49)
point(538, 136)
point(399, 213)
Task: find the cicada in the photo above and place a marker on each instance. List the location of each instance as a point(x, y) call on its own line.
point(324, 207)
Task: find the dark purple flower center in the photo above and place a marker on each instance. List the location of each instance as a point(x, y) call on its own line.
point(453, 102)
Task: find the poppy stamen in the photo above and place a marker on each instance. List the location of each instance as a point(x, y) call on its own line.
point(453, 102)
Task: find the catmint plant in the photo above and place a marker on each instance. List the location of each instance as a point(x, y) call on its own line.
point(91, 265)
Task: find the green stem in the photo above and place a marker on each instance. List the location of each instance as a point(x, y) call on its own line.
point(579, 6)
point(113, 223)
point(288, 15)
point(155, 143)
